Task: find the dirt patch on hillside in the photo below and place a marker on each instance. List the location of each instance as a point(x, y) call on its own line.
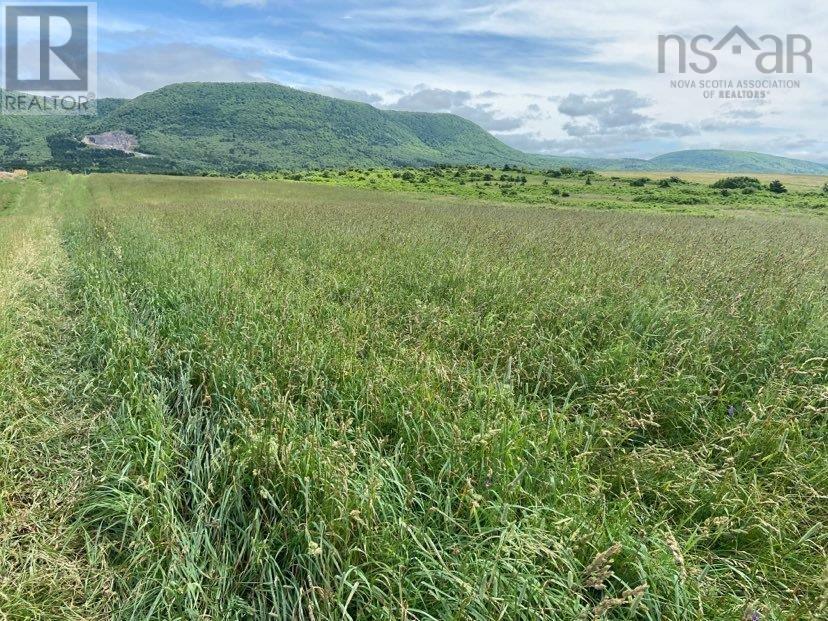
point(115, 141)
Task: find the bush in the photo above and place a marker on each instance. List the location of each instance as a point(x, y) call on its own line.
point(777, 187)
point(639, 183)
point(825, 189)
point(736, 183)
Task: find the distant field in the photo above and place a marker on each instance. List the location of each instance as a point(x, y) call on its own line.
point(670, 192)
point(243, 399)
point(794, 182)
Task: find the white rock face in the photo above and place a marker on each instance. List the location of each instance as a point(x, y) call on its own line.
point(119, 141)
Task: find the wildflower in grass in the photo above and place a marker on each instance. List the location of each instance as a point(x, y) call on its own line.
point(314, 549)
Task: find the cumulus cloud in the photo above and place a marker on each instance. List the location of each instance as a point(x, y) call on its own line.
point(603, 111)
point(461, 103)
point(351, 94)
point(744, 114)
point(609, 123)
point(723, 124)
point(133, 72)
point(607, 146)
point(674, 129)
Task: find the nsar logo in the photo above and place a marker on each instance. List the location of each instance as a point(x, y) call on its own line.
point(772, 54)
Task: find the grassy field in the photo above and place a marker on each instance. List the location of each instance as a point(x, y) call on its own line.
point(798, 183)
point(677, 193)
point(231, 399)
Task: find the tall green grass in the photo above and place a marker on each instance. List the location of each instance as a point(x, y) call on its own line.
point(321, 403)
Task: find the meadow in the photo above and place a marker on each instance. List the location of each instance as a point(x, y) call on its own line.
point(571, 188)
point(264, 399)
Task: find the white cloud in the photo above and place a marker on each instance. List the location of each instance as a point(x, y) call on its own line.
point(461, 103)
point(134, 72)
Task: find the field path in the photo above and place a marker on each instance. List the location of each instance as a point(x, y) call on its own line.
point(44, 427)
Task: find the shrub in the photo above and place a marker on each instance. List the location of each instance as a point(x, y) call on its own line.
point(777, 187)
point(639, 183)
point(825, 189)
point(736, 183)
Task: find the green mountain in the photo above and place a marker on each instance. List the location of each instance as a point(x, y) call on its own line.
point(734, 161)
point(201, 127)
point(235, 127)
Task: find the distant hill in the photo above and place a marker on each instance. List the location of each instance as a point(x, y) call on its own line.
point(734, 161)
point(236, 127)
point(203, 127)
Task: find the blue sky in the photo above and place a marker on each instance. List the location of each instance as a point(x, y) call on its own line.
point(543, 75)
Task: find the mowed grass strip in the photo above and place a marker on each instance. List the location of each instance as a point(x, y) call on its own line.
point(325, 403)
point(45, 461)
